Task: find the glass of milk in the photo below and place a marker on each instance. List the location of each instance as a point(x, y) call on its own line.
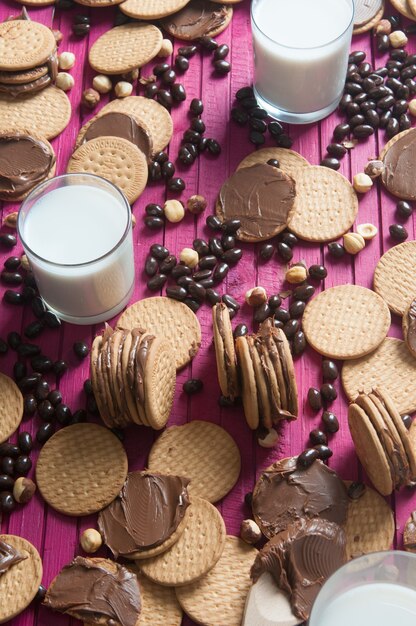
point(301, 52)
point(378, 588)
point(76, 231)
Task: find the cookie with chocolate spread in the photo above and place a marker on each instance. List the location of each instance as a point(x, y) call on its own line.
point(399, 156)
point(199, 18)
point(224, 351)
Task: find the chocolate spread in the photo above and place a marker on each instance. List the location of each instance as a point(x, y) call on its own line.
point(398, 175)
point(120, 125)
point(18, 88)
point(24, 162)
point(411, 327)
point(146, 513)
point(300, 559)
point(196, 19)
point(9, 556)
point(96, 591)
point(285, 494)
point(261, 197)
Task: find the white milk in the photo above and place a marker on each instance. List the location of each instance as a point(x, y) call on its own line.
point(378, 604)
point(68, 234)
point(301, 52)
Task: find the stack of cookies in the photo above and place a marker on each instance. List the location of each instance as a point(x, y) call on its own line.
point(382, 441)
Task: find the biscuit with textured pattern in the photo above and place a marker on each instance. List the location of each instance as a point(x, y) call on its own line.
point(225, 351)
point(203, 452)
point(11, 407)
point(125, 48)
point(371, 22)
point(20, 584)
point(24, 44)
point(195, 553)
point(399, 261)
point(346, 322)
point(408, 328)
point(325, 206)
point(219, 597)
point(151, 9)
point(99, 3)
point(401, 429)
point(81, 469)
point(159, 383)
point(24, 76)
point(289, 160)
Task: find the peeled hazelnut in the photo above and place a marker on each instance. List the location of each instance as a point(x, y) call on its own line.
point(166, 49)
point(383, 28)
point(398, 39)
point(374, 168)
point(24, 262)
point(58, 36)
point(64, 81)
point(11, 220)
point(196, 204)
point(66, 60)
point(189, 257)
point(91, 540)
point(412, 107)
point(362, 182)
point(367, 231)
point(354, 243)
point(174, 211)
point(90, 98)
point(256, 296)
point(250, 531)
point(23, 490)
point(123, 89)
point(296, 274)
point(102, 83)
point(269, 440)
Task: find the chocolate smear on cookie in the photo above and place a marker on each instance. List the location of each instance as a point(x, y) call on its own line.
point(196, 19)
point(116, 124)
point(398, 175)
point(9, 556)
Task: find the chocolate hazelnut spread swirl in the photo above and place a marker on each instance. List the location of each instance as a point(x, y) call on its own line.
point(197, 19)
point(120, 125)
point(9, 556)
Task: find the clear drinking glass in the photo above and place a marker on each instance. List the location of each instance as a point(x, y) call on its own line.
point(378, 588)
point(301, 50)
point(76, 231)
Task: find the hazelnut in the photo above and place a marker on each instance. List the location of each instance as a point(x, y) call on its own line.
point(367, 231)
point(256, 296)
point(58, 36)
point(383, 28)
point(64, 81)
point(374, 168)
point(398, 39)
point(362, 182)
point(412, 107)
point(354, 243)
point(123, 89)
point(296, 274)
point(23, 489)
point(91, 540)
point(269, 440)
point(250, 531)
point(189, 257)
point(133, 221)
point(24, 262)
point(102, 83)
point(174, 211)
point(131, 76)
point(90, 98)
point(66, 60)
point(166, 49)
point(11, 220)
point(196, 204)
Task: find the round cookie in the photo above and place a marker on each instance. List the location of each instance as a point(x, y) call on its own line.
point(167, 318)
point(201, 451)
point(219, 597)
point(151, 9)
point(370, 524)
point(395, 278)
point(401, 429)
point(24, 44)
point(412, 6)
point(182, 24)
point(390, 367)
point(73, 470)
point(248, 383)
point(196, 551)
point(36, 3)
point(225, 351)
point(125, 48)
point(325, 206)
point(346, 322)
point(398, 157)
point(11, 407)
point(159, 383)
point(98, 3)
point(358, 30)
point(160, 605)
point(403, 7)
point(44, 114)
point(20, 584)
point(366, 10)
point(290, 161)
point(115, 159)
point(409, 328)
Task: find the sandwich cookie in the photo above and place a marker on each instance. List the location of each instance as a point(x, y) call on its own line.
point(151, 9)
point(11, 407)
point(224, 351)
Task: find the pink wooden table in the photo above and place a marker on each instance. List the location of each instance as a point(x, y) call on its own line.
point(56, 536)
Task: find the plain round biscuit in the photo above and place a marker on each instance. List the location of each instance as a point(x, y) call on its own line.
point(325, 206)
point(11, 407)
point(167, 318)
point(225, 353)
point(151, 9)
point(45, 113)
point(395, 278)
point(125, 48)
point(160, 605)
point(364, 28)
point(248, 383)
point(401, 429)
point(81, 469)
point(366, 10)
point(159, 383)
point(211, 33)
point(402, 7)
point(24, 44)
point(289, 160)
point(203, 452)
point(369, 450)
point(346, 322)
point(195, 553)
point(115, 159)
point(370, 524)
point(219, 597)
point(20, 584)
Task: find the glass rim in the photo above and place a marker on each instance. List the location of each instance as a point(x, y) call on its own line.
point(40, 188)
point(327, 43)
